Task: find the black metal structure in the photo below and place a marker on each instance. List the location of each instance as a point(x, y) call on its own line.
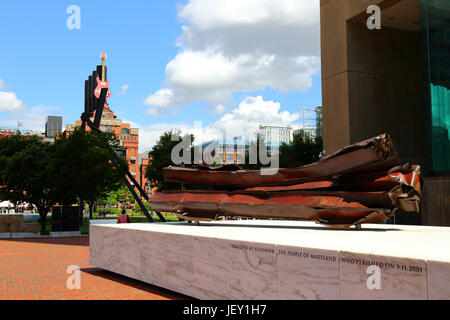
point(91, 105)
point(65, 219)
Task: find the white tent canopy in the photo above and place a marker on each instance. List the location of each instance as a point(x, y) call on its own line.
point(6, 204)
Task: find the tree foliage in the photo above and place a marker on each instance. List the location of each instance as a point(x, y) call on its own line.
point(26, 173)
point(82, 167)
point(302, 151)
point(122, 194)
point(256, 147)
point(88, 161)
point(161, 158)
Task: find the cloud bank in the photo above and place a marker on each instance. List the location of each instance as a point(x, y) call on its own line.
point(241, 46)
point(244, 120)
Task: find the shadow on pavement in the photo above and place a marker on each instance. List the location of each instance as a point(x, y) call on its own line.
point(98, 272)
point(73, 241)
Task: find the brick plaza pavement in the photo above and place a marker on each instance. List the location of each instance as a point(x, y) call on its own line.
point(34, 269)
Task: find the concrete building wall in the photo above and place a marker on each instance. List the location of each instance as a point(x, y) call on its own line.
point(371, 80)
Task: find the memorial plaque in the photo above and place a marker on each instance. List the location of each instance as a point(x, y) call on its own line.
point(253, 271)
point(212, 268)
point(307, 274)
point(364, 276)
point(438, 280)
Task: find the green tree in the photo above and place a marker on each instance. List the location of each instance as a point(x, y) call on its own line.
point(302, 151)
point(161, 158)
point(122, 194)
point(88, 166)
point(26, 174)
point(255, 147)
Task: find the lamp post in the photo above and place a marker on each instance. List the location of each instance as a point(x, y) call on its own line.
point(309, 109)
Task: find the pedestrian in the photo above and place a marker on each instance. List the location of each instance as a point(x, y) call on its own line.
point(123, 218)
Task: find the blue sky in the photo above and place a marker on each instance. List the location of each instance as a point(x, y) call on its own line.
point(44, 64)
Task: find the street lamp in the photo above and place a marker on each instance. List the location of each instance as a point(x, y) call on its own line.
point(309, 109)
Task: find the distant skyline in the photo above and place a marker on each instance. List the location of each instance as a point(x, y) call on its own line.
point(227, 64)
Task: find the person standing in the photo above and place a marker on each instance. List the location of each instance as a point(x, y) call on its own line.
point(123, 218)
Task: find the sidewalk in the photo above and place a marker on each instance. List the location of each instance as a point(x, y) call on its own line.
point(35, 269)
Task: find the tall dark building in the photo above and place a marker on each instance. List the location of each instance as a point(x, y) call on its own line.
point(53, 125)
point(394, 79)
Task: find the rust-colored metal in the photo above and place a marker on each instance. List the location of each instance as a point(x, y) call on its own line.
point(373, 154)
point(362, 183)
point(209, 205)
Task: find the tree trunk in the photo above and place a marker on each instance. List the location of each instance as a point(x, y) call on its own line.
point(82, 212)
point(90, 211)
point(43, 219)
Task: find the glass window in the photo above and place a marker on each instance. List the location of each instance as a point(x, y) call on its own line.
point(436, 17)
point(125, 131)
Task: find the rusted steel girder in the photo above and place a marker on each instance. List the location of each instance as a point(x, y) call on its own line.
point(376, 154)
point(362, 183)
point(399, 187)
point(208, 205)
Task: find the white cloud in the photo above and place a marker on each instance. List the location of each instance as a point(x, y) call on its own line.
point(218, 109)
point(244, 120)
point(31, 118)
point(162, 112)
point(241, 46)
point(124, 90)
point(3, 85)
point(9, 102)
point(208, 14)
point(251, 112)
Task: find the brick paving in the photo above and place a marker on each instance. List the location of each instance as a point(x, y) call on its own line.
point(35, 269)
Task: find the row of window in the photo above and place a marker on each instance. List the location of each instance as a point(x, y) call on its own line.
point(123, 131)
point(128, 138)
point(107, 116)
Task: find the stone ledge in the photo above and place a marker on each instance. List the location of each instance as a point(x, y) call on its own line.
point(25, 235)
point(65, 234)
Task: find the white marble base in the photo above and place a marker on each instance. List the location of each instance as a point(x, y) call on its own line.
point(5, 235)
point(284, 260)
point(103, 221)
point(65, 234)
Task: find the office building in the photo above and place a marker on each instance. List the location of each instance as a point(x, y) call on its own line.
point(394, 79)
point(276, 134)
point(53, 125)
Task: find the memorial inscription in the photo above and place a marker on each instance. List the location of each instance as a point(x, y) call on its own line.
point(307, 274)
point(393, 277)
point(253, 271)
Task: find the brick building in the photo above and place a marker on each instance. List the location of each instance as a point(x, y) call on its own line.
point(144, 162)
point(8, 132)
point(128, 137)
